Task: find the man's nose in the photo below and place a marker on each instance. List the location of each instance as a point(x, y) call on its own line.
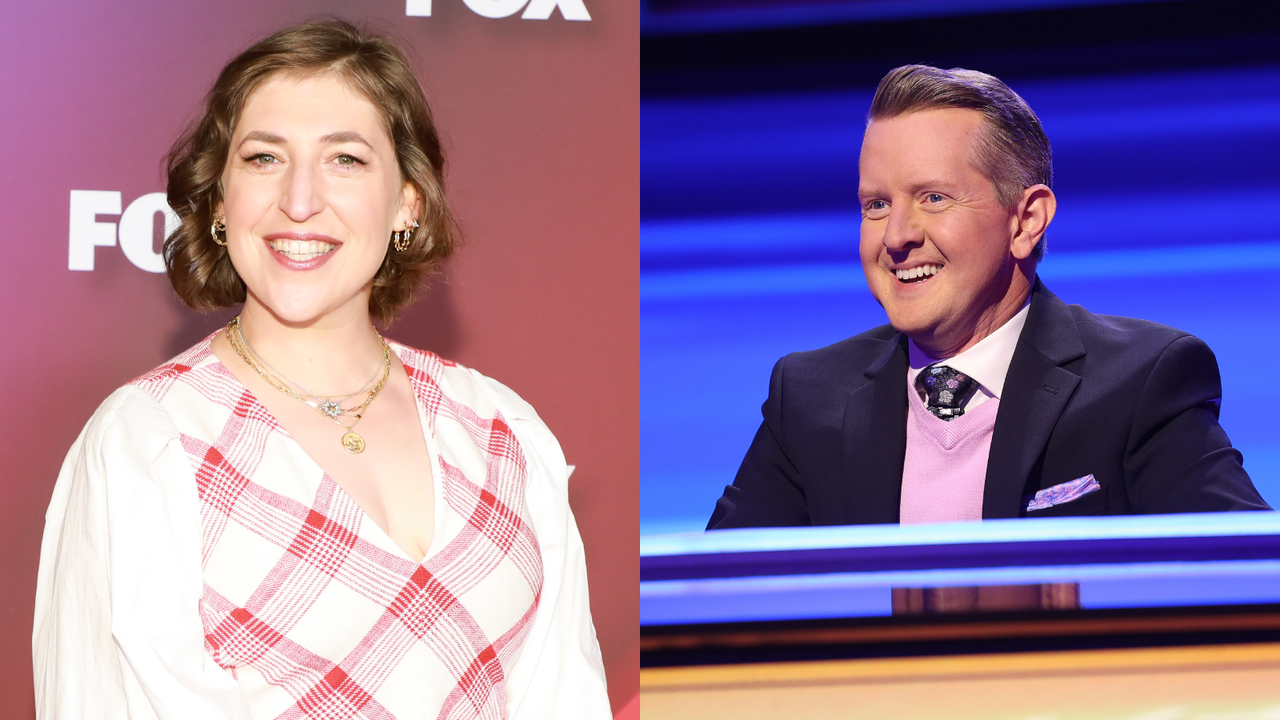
point(903, 230)
point(302, 196)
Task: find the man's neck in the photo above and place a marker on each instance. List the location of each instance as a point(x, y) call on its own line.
point(993, 318)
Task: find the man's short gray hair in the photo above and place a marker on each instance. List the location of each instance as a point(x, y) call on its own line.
point(1012, 152)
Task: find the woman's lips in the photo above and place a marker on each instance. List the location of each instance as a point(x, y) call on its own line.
point(301, 251)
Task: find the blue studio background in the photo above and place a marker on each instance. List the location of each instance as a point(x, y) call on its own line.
point(1165, 123)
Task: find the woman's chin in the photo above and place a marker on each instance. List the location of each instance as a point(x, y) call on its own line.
point(299, 310)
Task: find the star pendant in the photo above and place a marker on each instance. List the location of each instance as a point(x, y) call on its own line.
point(330, 408)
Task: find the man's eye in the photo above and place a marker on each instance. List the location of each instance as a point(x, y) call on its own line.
point(934, 197)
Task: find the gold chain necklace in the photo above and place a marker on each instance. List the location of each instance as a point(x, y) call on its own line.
point(330, 405)
point(352, 442)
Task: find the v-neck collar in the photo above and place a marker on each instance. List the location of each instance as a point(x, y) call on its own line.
point(209, 359)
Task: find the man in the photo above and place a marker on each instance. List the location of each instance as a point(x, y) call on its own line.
point(986, 396)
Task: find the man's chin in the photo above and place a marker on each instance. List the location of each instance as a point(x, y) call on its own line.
point(916, 326)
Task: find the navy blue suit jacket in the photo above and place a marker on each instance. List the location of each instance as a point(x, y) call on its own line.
point(1131, 402)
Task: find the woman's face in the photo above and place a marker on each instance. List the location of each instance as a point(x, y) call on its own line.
point(311, 195)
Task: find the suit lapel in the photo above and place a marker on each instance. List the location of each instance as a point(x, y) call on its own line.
point(1036, 391)
point(875, 439)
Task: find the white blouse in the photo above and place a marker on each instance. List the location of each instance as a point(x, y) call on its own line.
point(196, 563)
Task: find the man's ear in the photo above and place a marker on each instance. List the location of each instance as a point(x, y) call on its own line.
point(1032, 217)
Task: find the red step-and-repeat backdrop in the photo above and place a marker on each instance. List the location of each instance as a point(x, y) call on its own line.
point(538, 102)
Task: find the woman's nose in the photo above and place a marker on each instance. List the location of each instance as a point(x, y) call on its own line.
point(302, 196)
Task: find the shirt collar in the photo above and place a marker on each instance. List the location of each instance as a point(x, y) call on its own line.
point(987, 362)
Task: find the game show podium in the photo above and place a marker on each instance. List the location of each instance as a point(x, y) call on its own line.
point(1154, 617)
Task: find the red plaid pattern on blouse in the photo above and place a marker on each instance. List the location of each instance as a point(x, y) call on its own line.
point(314, 610)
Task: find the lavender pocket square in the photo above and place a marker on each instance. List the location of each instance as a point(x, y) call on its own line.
point(1062, 493)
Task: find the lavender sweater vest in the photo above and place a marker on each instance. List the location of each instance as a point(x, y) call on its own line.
point(945, 469)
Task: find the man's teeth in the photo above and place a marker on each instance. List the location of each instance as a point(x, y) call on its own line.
point(301, 250)
point(917, 272)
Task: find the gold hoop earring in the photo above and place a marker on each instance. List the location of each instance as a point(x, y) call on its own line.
point(400, 240)
point(219, 226)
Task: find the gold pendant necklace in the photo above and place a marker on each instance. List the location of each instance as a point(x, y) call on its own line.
point(352, 441)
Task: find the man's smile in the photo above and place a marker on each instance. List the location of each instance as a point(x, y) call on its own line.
point(916, 274)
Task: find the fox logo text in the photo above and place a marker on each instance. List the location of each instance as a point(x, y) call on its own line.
point(136, 229)
point(533, 9)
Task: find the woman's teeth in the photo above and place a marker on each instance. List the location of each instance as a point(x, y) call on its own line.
point(917, 273)
point(301, 250)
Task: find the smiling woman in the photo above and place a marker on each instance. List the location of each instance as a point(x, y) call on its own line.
point(374, 76)
point(295, 516)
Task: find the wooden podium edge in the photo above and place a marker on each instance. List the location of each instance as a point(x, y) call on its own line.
point(1009, 665)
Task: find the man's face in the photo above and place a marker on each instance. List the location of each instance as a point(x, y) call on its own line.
point(935, 241)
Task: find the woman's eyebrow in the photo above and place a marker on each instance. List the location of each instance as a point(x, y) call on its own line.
point(264, 137)
point(345, 136)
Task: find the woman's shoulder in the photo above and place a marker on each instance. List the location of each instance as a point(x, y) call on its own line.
point(462, 384)
point(438, 381)
point(158, 381)
point(148, 406)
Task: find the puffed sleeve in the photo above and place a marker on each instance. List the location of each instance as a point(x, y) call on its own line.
point(559, 673)
point(117, 626)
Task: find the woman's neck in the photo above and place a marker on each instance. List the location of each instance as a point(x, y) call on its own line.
point(330, 355)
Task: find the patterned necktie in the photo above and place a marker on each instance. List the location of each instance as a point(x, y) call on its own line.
point(947, 390)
